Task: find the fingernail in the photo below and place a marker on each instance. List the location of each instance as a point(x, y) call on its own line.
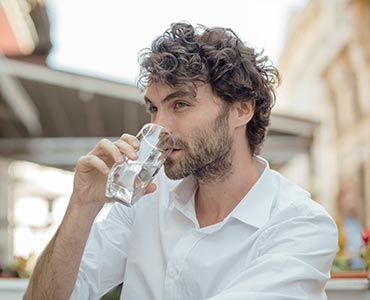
point(121, 159)
point(133, 154)
point(135, 143)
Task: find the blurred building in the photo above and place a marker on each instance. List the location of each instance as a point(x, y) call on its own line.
point(48, 117)
point(326, 79)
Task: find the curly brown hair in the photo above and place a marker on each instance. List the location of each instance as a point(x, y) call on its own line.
point(185, 55)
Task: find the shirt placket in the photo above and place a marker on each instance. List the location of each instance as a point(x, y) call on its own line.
point(174, 277)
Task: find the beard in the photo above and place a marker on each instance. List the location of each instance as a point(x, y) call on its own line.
point(207, 157)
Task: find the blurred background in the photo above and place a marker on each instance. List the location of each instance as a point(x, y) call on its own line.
point(67, 78)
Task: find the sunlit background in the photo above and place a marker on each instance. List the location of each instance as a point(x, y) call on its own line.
point(105, 40)
point(67, 78)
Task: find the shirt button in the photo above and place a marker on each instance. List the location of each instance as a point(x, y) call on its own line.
point(172, 273)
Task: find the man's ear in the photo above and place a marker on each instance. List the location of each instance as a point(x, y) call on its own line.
point(245, 112)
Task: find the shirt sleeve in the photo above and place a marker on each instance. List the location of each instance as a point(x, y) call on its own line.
point(293, 263)
point(104, 260)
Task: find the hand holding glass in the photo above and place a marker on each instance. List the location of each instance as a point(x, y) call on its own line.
point(128, 181)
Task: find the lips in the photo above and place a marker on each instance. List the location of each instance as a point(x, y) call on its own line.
point(174, 151)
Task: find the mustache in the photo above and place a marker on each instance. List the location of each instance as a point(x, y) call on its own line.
point(180, 144)
point(171, 142)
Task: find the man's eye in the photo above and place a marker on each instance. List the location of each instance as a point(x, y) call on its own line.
point(151, 109)
point(179, 105)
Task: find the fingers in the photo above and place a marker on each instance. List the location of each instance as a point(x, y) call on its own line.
point(130, 139)
point(88, 162)
point(126, 149)
point(126, 146)
point(106, 150)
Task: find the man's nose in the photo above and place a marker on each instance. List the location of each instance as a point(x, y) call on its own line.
point(162, 119)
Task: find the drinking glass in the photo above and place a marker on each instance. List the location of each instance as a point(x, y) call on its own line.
point(128, 181)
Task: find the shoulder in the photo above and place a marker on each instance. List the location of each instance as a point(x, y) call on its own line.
point(295, 212)
point(292, 198)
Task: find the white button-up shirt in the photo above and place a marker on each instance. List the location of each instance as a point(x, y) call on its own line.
point(276, 244)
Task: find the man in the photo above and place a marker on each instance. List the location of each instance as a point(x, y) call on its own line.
point(230, 229)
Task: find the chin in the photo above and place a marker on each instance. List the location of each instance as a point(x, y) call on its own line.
point(172, 172)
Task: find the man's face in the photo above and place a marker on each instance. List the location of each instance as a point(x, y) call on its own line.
point(206, 152)
point(200, 125)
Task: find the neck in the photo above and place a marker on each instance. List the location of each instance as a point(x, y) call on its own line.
point(215, 199)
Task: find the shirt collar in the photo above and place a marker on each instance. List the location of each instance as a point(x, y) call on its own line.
point(255, 207)
point(183, 192)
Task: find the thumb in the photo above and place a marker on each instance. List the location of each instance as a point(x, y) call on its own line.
point(151, 188)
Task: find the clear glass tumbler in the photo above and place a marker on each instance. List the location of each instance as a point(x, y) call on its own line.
point(128, 181)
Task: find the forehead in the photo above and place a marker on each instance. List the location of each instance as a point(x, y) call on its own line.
point(158, 91)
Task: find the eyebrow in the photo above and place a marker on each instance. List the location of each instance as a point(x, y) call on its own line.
point(174, 95)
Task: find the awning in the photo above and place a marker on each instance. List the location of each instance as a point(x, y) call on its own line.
point(53, 117)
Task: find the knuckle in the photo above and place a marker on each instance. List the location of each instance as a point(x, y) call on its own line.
point(82, 158)
point(89, 158)
point(85, 158)
point(120, 144)
point(103, 142)
point(126, 136)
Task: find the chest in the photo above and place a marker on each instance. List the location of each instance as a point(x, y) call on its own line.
point(170, 258)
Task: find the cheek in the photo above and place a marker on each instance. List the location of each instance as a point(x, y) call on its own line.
point(194, 127)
